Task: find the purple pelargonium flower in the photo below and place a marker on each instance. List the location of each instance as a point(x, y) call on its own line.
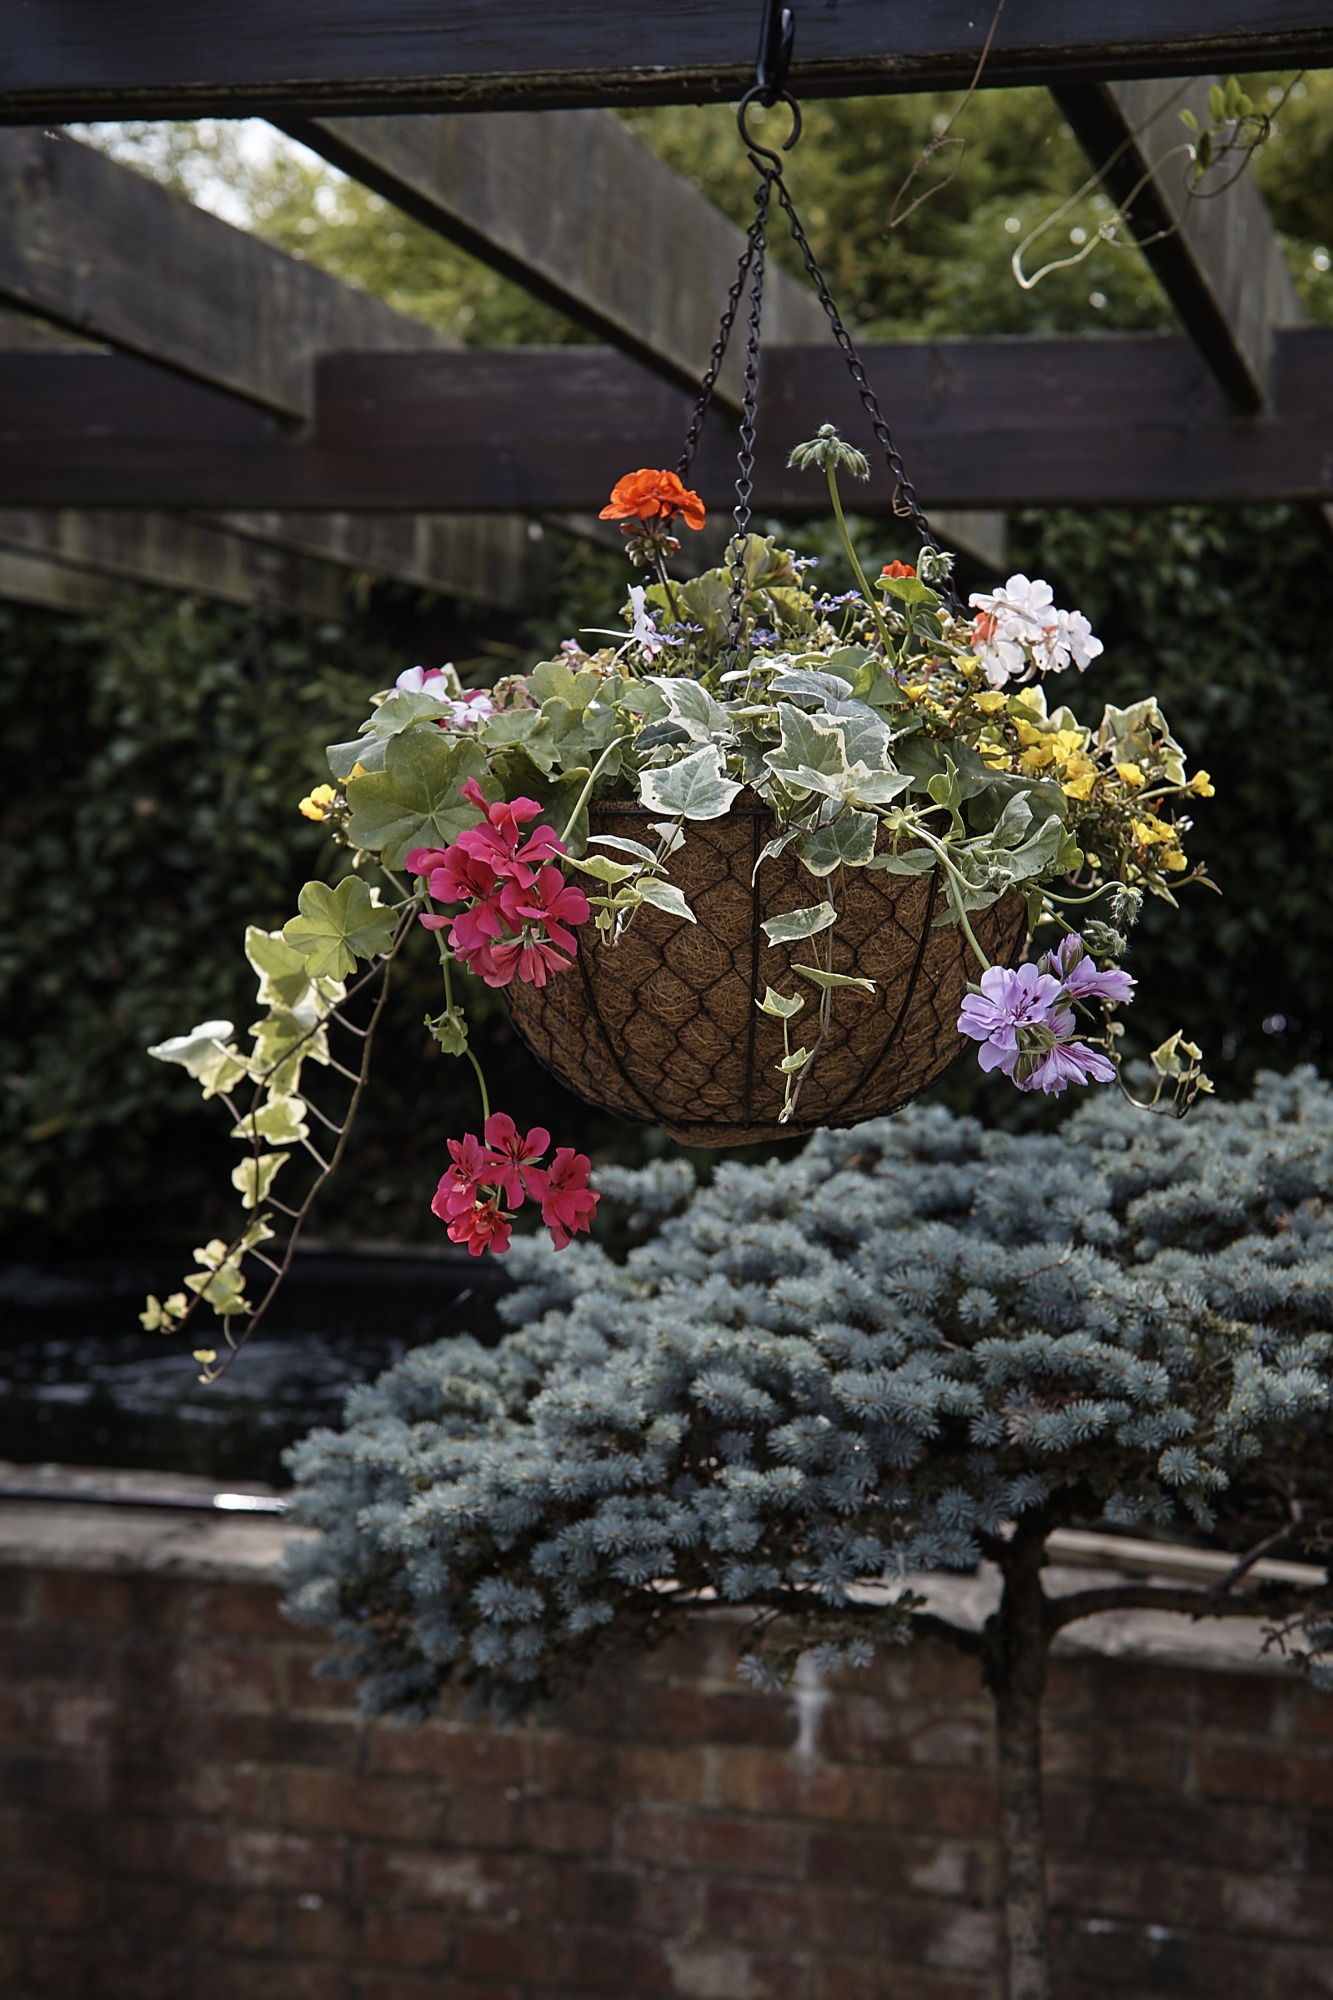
point(1081, 976)
point(1063, 1063)
point(1009, 1001)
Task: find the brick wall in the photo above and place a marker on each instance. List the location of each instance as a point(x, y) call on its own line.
point(186, 1814)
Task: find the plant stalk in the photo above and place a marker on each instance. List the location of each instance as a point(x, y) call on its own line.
point(855, 562)
point(1016, 1641)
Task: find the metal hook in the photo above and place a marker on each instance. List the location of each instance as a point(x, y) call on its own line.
point(777, 33)
point(756, 96)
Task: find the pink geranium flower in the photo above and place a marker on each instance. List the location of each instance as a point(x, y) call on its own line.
point(530, 959)
point(568, 1203)
point(460, 1183)
point(485, 1226)
point(549, 901)
point(512, 1160)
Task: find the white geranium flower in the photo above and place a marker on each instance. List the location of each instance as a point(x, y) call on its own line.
point(645, 631)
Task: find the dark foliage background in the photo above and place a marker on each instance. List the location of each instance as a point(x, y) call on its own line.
point(155, 756)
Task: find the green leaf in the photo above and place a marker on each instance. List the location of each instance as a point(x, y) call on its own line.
point(797, 924)
point(812, 748)
point(416, 800)
point(449, 1029)
point(817, 974)
point(284, 981)
point(779, 1006)
point(696, 786)
point(796, 1060)
point(693, 708)
point(909, 589)
point(907, 861)
point(848, 842)
point(602, 867)
point(876, 788)
point(283, 1041)
point(253, 1178)
point(665, 896)
point(338, 926)
point(622, 846)
point(367, 751)
point(207, 1054)
point(281, 1121)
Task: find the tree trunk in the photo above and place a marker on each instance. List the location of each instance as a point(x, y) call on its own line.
point(1016, 1642)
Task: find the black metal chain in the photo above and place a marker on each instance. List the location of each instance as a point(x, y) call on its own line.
point(749, 412)
point(905, 503)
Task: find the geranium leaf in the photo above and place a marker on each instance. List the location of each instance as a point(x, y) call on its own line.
point(417, 799)
point(338, 926)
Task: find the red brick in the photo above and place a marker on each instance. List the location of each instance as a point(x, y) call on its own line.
point(1151, 1756)
point(802, 1787)
point(237, 1611)
point(479, 1883)
point(161, 1975)
point(71, 1903)
point(710, 1841)
point(416, 1986)
point(220, 1676)
point(1303, 1973)
point(674, 1776)
point(684, 1715)
point(18, 1593)
point(87, 1597)
point(1264, 1905)
point(567, 1826)
point(450, 1750)
point(255, 1858)
point(668, 1905)
point(947, 1805)
point(591, 1961)
point(307, 1689)
point(74, 1721)
point(1310, 1712)
point(1280, 1777)
point(59, 1782)
point(862, 1731)
point(480, 1816)
point(700, 1969)
point(273, 1739)
point(267, 1979)
point(572, 1892)
point(791, 1915)
point(847, 1980)
point(947, 1936)
point(142, 1846)
point(222, 1920)
point(355, 1802)
point(1099, 1885)
point(848, 1858)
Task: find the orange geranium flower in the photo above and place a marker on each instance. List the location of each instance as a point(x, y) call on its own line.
point(898, 569)
point(647, 495)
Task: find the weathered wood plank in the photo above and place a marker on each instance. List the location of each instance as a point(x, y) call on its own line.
point(50, 557)
point(100, 249)
point(581, 213)
point(498, 560)
point(992, 423)
point(1218, 257)
point(71, 59)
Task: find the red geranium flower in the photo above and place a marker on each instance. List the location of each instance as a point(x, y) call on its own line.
point(648, 495)
point(568, 1203)
point(484, 1227)
point(511, 1160)
point(898, 569)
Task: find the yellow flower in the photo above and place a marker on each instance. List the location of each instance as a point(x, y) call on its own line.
point(1153, 832)
point(1132, 774)
point(1080, 786)
point(990, 702)
point(1202, 785)
point(995, 755)
point(1174, 859)
point(317, 805)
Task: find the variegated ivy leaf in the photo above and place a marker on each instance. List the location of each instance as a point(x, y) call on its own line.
point(416, 800)
point(253, 1178)
point(696, 787)
point(828, 980)
point(208, 1055)
point(338, 926)
point(693, 708)
point(812, 753)
point(621, 846)
point(779, 1006)
point(280, 1122)
point(220, 1283)
point(602, 868)
point(284, 981)
point(849, 841)
point(665, 896)
point(801, 681)
point(875, 788)
point(283, 1041)
point(798, 924)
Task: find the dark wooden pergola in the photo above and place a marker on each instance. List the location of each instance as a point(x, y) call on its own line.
point(229, 419)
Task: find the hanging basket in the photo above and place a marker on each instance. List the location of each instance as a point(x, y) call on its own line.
point(662, 1026)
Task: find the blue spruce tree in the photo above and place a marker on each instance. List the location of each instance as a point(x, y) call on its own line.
point(915, 1345)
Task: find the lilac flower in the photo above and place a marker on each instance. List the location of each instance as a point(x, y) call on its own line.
point(1024, 999)
point(1064, 1062)
point(1080, 975)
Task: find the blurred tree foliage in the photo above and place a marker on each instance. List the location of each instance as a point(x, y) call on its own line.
point(160, 751)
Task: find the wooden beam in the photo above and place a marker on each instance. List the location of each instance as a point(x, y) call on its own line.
point(497, 561)
point(65, 60)
point(582, 214)
point(1218, 256)
point(992, 423)
point(53, 586)
point(102, 250)
point(166, 553)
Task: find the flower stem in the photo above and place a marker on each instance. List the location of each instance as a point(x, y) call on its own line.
point(593, 776)
point(953, 884)
point(855, 561)
point(481, 1084)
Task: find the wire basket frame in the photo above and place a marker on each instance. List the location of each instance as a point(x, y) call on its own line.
point(662, 1026)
